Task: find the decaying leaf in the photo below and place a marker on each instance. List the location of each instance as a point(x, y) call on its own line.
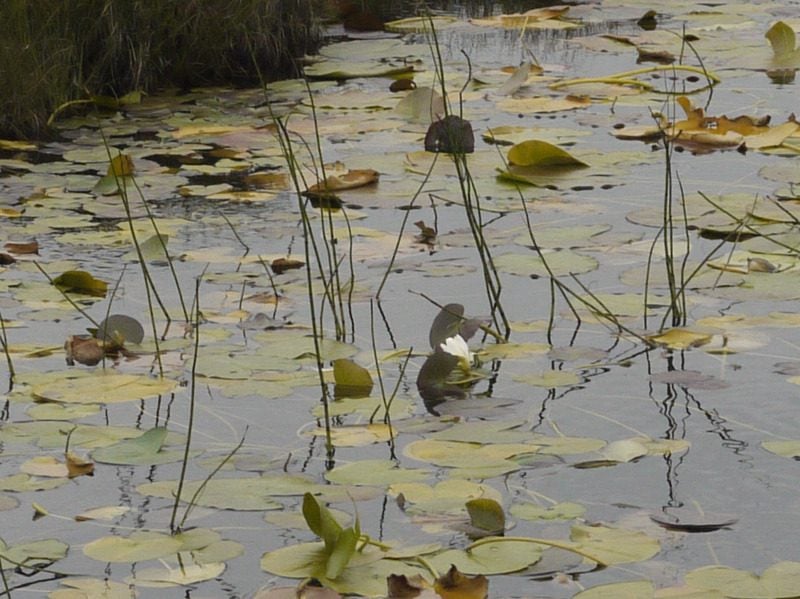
point(455, 585)
point(84, 350)
point(452, 135)
point(22, 247)
point(339, 178)
point(701, 131)
point(78, 466)
point(281, 265)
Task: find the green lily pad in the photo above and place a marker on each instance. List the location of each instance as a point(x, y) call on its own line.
point(498, 557)
point(32, 554)
point(374, 473)
point(102, 387)
point(139, 546)
point(146, 449)
point(779, 581)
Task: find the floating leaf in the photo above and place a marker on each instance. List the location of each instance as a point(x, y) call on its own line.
point(32, 555)
point(420, 24)
point(110, 512)
point(491, 557)
point(374, 472)
point(614, 545)
point(635, 589)
point(559, 511)
point(91, 588)
point(550, 379)
point(182, 575)
point(535, 18)
point(143, 450)
point(681, 338)
point(229, 494)
point(779, 581)
point(139, 546)
point(786, 449)
point(102, 387)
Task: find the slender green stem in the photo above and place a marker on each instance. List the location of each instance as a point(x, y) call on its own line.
point(212, 474)
point(403, 223)
point(192, 403)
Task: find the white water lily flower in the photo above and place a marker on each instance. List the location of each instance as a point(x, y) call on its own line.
point(456, 346)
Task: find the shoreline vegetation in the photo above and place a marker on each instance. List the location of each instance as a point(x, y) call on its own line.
point(59, 55)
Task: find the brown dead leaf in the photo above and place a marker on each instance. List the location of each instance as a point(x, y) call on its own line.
point(349, 179)
point(78, 466)
point(403, 587)
point(658, 56)
point(22, 247)
point(455, 585)
point(281, 265)
point(84, 350)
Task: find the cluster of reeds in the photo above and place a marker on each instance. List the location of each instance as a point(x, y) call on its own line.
point(54, 52)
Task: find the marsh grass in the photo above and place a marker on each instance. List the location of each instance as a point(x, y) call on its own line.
point(54, 52)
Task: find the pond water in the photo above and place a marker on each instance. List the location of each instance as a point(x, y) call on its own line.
point(575, 422)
